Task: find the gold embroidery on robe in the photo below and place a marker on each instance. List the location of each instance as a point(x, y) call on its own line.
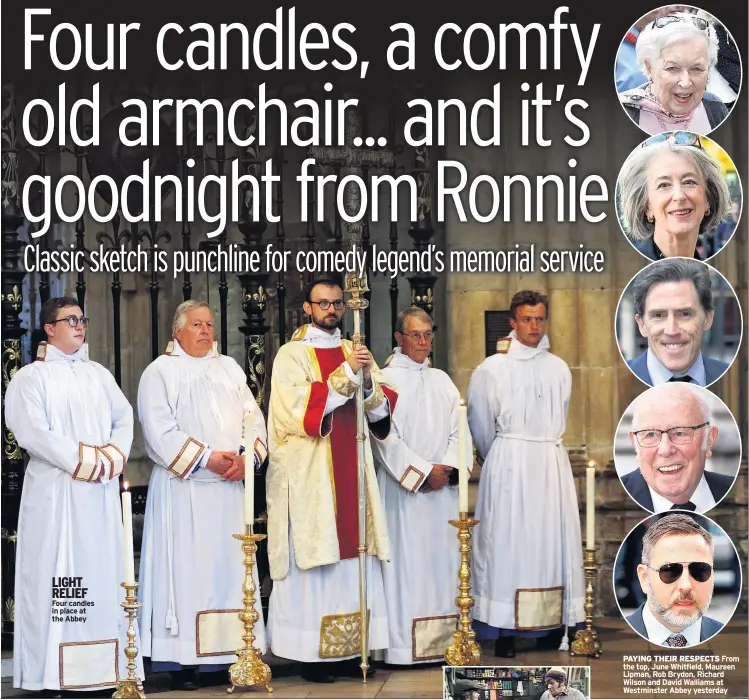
point(375, 399)
point(538, 608)
point(187, 457)
point(341, 383)
point(340, 635)
point(411, 478)
point(83, 659)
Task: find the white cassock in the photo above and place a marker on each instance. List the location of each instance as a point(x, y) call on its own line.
point(314, 611)
point(421, 578)
point(527, 552)
point(76, 425)
point(191, 569)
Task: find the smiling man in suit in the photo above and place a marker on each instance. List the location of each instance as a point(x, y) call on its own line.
point(673, 438)
point(676, 575)
point(673, 302)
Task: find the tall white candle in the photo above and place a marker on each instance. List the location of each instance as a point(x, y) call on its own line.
point(248, 439)
point(127, 523)
point(462, 466)
point(590, 502)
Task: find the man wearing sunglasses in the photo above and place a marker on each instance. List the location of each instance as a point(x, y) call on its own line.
point(312, 493)
point(416, 464)
point(673, 438)
point(676, 575)
point(76, 426)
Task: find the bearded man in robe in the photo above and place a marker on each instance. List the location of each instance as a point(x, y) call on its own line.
point(192, 403)
point(312, 494)
point(76, 425)
point(417, 473)
point(527, 551)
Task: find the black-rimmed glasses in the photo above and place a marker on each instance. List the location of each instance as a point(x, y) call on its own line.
point(73, 321)
point(700, 571)
point(683, 435)
point(338, 304)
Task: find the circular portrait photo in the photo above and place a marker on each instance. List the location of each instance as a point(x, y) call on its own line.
point(677, 579)
point(678, 194)
point(678, 68)
point(678, 320)
point(677, 446)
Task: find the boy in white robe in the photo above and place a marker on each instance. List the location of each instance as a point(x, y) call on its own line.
point(192, 403)
point(527, 553)
point(416, 464)
point(76, 425)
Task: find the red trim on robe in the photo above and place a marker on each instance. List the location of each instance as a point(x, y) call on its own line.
point(381, 428)
point(343, 450)
point(313, 418)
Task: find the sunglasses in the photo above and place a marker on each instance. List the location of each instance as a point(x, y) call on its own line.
point(680, 138)
point(700, 571)
point(701, 24)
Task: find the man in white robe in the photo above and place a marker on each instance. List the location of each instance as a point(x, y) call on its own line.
point(314, 614)
point(192, 403)
point(527, 552)
point(417, 472)
point(76, 425)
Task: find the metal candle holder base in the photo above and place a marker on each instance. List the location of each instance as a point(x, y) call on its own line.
point(130, 687)
point(586, 641)
point(249, 669)
point(464, 650)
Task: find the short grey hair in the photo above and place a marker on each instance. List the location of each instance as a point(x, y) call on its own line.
point(674, 392)
point(675, 524)
point(416, 312)
point(673, 270)
point(653, 40)
point(180, 315)
point(632, 189)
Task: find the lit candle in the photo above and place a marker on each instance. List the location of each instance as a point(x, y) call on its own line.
point(590, 501)
point(462, 466)
point(248, 440)
point(127, 522)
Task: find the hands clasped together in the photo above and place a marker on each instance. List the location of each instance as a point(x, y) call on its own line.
point(229, 465)
point(438, 478)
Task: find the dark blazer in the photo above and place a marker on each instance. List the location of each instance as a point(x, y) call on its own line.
point(713, 368)
point(637, 487)
point(647, 248)
point(708, 629)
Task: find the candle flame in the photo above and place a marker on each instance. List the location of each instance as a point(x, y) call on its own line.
point(592, 463)
point(462, 402)
point(125, 486)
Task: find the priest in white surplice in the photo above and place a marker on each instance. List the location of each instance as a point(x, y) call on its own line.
point(527, 552)
point(415, 464)
point(76, 425)
point(192, 403)
point(312, 494)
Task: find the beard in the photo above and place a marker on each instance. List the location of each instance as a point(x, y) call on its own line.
point(327, 323)
point(673, 618)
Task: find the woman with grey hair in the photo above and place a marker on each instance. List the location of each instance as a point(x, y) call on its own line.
point(669, 193)
point(677, 54)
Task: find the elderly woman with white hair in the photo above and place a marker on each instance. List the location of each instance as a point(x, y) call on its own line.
point(669, 193)
point(677, 54)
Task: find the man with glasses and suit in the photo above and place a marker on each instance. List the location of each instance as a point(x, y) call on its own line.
point(673, 438)
point(76, 425)
point(676, 575)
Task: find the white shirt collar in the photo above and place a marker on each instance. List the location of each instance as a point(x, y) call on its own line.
point(702, 498)
point(658, 633)
point(52, 353)
point(318, 338)
point(174, 349)
point(402, 361)
point(660, 374)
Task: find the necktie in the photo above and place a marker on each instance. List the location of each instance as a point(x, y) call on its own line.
point(684, 506)
point(677, 640)
point(685, 378)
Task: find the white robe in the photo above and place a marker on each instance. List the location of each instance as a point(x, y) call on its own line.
point(527, 551)
point(60, 410)
point(421, 578)
point(301, 600)
point(191, 568)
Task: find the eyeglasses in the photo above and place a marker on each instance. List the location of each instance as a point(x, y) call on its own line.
point(701, 24)
point(700, 571)
point(651, 437)
point(338, 304)
point(429, 335)
point(680, 138)
point(73, 321)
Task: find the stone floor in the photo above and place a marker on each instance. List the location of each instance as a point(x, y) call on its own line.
point(606, 674)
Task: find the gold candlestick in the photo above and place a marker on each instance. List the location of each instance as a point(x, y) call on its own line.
point(464, 650)
point(586, 641)
point(249, 669)
point(130, 687)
